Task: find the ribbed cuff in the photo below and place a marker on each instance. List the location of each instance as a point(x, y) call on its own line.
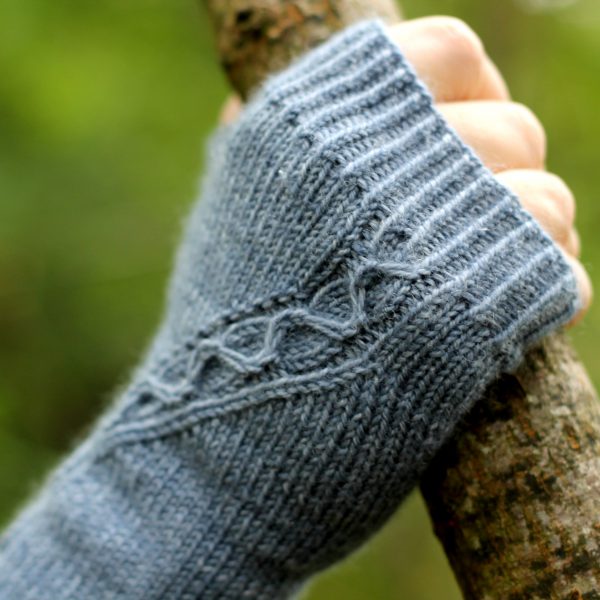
point(380, 180)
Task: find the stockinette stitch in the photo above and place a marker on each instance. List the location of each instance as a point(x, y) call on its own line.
point(351, 280)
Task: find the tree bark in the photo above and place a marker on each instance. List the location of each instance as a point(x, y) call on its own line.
point(259, 37)
point(515, 496)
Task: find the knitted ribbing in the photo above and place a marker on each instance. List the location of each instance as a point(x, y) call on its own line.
point(351, 280)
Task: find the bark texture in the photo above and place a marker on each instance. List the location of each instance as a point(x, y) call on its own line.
point(515, 496)
point(258, 37)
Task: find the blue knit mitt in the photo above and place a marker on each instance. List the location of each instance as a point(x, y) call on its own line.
point(351, 280)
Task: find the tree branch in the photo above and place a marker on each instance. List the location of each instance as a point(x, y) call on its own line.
point(259, 37)
point(515, 496)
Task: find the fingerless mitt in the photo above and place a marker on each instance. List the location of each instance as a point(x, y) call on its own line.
point(351, 280)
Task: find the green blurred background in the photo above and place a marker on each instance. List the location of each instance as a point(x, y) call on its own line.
point(103, 109)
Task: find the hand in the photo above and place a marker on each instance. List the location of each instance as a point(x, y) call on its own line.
point(472, 95)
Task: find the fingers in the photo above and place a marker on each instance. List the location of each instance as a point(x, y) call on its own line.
point(471, 93)
point(549, 200)
point(447, 55)
point(231, 109)
point(450, 58)
point(551, 203)
point(574, 243)
point(505, 135)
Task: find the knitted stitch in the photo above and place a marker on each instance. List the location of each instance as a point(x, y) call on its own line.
point(350, 282)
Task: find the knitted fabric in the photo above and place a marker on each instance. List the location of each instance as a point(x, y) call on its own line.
point(351, 280)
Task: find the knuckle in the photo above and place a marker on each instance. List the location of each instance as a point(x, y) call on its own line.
point(561, 196)
point(460, 39)
point(549, 218)
point(559, 229)
point(574, 243)
point(530, 131)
